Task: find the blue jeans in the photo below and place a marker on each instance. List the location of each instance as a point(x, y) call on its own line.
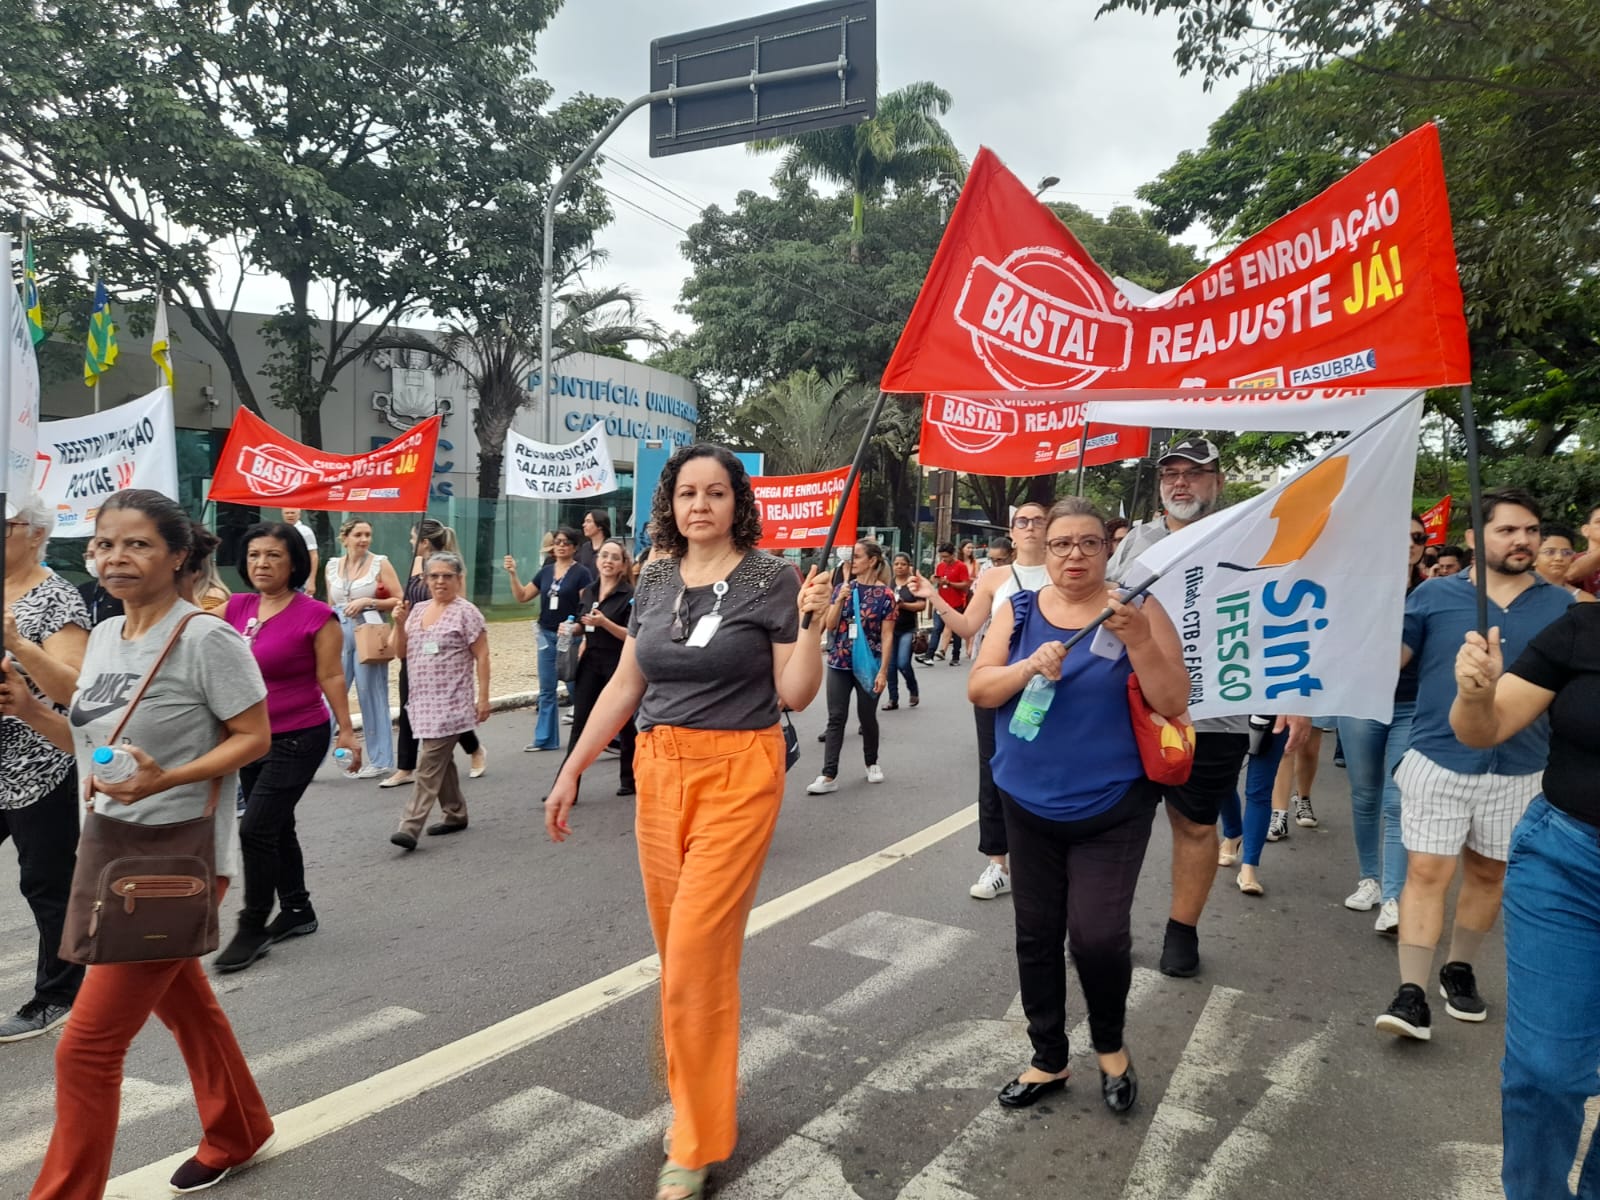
point(1260, 773)
point(547, 732)
point(372, 691)
point(1372, 750)
point(1552, 912)
point(938, 632)
point(901, 665)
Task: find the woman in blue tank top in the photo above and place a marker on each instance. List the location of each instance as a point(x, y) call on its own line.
point(1077, 806)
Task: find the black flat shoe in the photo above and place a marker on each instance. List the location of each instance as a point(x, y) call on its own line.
point(627, 789)
point(245, 948)
point(1017, 1094)
point(1120, 1091)
point(439, 829)
point(404, 840)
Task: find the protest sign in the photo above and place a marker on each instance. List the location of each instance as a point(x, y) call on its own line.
point(21, 415)
point(547, 472)
point(797, 510)
point(1436, 522)
point(82, 460)
point(1018, 435)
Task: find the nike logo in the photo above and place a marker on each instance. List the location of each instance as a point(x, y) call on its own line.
point(105, 694)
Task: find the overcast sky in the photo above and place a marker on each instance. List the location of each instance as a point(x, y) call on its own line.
point(1041, 82)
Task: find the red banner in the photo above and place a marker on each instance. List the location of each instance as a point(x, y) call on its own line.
point(1436, 521)
point(1355, 289)
point(259, 465)
point(797, 510)
point(1020, 435)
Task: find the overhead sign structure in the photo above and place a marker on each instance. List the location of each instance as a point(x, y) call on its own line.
point(83, 460)
point(840, 33)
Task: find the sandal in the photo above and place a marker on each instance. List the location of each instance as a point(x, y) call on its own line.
point(682, 1182)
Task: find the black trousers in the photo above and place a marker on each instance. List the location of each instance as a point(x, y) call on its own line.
point(593, 675)
point(1077, 886)
point(406, 750)
point(273, 865)
point(841, 686)
point(991, 817)
point(46, 833)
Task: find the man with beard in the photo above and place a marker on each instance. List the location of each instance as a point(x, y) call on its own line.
point(1455, 801)
point(1191, 488)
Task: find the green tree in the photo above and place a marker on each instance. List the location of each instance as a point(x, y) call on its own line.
point(904, 145)
point(806, 423)
point(349, 148)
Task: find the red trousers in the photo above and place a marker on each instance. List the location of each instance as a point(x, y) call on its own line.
point(112, 1006)
point(708, 803)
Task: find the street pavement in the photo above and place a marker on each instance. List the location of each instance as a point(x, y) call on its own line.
point(476, 1020)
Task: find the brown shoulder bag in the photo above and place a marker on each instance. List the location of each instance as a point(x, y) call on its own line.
point(144, 893)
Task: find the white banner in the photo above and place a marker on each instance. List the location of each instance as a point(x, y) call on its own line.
point(22, 414)
point(1291, 602)
point(546, 472)
point(1275, 411)
point(82, 460)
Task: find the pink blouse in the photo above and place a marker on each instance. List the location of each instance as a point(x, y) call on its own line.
point(439, 668)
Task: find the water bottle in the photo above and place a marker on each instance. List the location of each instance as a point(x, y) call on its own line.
point(342, 757)
point(563, 638)
point(1031, 708)
point(113, 764)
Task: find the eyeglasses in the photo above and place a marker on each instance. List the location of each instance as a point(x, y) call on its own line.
point(1183, 474)
point(444, 578)
point(1029, 522)
point(1089, 546)
point(1553, 552)
point(1419, 539)
point(16, 525)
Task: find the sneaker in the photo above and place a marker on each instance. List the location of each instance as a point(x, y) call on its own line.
point(1303, 816)
point(568, 718)
point(247, 946)
point(292, 922)
point(33, 1019)
point(994, 881)
point(1366, 896)
point(1407, 1015)
point(1459, 987)
point(372, 771)
point(874, 774)
point(1388, 918)
point(1180, 951)
point(1278, 826)
point(195, 1176)
point(821, 786)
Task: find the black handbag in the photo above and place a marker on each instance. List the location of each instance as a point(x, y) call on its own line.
point(791, 743)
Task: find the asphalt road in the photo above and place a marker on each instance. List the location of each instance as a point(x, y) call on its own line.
point(475, 1021)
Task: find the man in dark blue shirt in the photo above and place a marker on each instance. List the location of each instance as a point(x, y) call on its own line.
point(1455, 800)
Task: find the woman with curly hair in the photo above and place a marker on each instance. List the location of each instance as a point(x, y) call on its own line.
point(713, 646)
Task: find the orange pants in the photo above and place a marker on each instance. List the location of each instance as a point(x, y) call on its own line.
point(708, 803)
point(112, 1006)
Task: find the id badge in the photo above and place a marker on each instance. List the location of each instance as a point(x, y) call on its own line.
point(371, 616)
point(430, 647)
point(704, 630)
point(850, 632)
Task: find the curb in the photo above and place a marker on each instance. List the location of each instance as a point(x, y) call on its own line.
point(496, 704)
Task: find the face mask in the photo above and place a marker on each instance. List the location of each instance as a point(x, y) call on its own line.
point(92, 567)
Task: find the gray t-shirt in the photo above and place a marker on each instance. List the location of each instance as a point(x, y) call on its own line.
point(726, 684)
point(1140, 538)
point(209, 677)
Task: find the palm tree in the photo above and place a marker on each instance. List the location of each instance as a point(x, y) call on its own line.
point(807, 422)
point(904, 145)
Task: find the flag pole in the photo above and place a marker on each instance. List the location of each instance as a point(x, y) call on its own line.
point(6, 398)
point(849, 483)
point(1083, 456)
point(1469, 426)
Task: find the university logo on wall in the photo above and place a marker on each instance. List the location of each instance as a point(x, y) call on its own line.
point(413, 393)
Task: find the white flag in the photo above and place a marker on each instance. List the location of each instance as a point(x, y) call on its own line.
point(21, 413)
point(1291, 602)
point(161, 343)
point(546, 472)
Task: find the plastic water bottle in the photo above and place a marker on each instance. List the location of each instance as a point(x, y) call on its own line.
point(341, 759)
point(113, 765)
point(563, 638)
point(1031, 708)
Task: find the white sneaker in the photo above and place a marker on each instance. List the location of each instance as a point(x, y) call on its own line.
point(874, 774)
point(370, 771)
point(1366, 896)
point(1388, 917)
point(993, 882)
point(821, 786)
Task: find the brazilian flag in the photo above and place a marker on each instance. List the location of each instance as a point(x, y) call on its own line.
point(100, 351)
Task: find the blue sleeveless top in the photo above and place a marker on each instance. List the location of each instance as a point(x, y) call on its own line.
point(1084, 759)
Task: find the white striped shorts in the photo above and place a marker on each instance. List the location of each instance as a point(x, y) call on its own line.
point(1442, 810)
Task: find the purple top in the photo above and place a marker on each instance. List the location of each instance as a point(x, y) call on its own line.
point(439, 667)
point(285, 650)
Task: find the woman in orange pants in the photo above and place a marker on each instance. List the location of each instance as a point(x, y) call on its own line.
point(713, 647)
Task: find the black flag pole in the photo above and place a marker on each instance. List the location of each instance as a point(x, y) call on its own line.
point(1469, 426)
point(849, 483)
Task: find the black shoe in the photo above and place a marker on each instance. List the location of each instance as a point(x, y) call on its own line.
point(1180, 951)
point(1017, 1094)
point(1120, 1091)
point(891, 706)
point(822, 737)
point(627, 789)
point(247, 946)
point(1459, 987)
point(195, 1176)
point(439, 829)
point(404, 840)
point(292, 922)
point(1407, 1015)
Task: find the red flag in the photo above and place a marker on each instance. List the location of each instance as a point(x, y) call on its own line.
point(797, 510)
point(1357, 288)
point(259, 465)
point(1436, 521)
point(1021, 435)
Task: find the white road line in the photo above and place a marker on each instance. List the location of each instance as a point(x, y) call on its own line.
point(909, 945)
point(345, 1107)
point(141, 1098)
